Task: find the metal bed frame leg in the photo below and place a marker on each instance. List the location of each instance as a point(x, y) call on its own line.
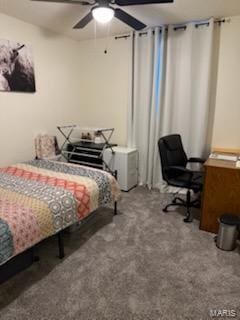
point(115, 174)
point(115, 208)
point(61, 245)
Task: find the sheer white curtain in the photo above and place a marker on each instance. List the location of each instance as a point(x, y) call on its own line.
point(145, 123)
point(171, 93)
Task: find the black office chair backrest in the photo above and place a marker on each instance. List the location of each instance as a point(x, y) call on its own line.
point(171, 153)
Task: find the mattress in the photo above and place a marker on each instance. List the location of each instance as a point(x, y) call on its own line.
point(39, 198)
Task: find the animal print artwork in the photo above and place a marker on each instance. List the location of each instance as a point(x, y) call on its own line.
point(16, 67)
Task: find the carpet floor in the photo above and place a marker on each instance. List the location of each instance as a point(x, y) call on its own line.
point(140, 265)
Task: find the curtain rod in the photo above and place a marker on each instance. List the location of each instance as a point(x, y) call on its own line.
point(199, 24)
point(218, 21)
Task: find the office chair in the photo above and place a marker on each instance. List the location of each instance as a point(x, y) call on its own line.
point(173, 162)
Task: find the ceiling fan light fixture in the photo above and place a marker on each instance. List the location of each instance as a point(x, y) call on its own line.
point(103, 14)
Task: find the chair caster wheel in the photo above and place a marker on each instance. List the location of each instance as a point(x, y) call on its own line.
point(174, 201)
point(165, 210)
point(188, 220)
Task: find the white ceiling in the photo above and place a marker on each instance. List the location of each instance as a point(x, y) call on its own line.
point(62, 17)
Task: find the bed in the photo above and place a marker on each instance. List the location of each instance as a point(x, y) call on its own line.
point(41, 198)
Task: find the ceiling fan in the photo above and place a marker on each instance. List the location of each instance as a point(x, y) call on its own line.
point(103, 11)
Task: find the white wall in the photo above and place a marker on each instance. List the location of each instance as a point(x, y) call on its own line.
point(58, 97)
point(226, 130)
point(105, 84)
point(78, 83)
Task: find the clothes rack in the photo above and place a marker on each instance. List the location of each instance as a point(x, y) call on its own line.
point(85, 151)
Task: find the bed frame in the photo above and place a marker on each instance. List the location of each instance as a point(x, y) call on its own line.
point(28, 257)
point(60, 235)
point(16, 264)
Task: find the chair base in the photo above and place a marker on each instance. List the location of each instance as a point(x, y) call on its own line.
point(188, 204)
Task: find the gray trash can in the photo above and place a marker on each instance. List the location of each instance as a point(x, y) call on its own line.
point(228, 232)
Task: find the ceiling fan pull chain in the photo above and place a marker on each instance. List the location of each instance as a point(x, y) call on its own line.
point(108, 38)
point(95, 34)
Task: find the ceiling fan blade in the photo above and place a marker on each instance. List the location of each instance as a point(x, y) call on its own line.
point(140, 2)
point(66, 1)
point(82, 23)
point(129, 20)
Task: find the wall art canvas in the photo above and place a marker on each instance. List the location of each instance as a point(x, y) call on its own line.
point(16, 67)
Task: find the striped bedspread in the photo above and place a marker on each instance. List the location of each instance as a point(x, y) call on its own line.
point(40, 198)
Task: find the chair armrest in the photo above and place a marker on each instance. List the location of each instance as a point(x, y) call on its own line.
point(196, 160)
point(180, 170)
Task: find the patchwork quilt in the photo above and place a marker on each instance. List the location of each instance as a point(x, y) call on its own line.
point(40, 198)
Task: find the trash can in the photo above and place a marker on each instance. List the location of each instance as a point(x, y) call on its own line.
point(228, 232)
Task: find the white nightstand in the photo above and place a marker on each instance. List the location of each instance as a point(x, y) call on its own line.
point(125, 161)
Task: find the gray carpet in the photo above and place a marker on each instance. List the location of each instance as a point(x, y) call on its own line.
point(141, 265)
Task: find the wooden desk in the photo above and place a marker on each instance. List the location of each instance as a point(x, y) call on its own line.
point(221, 192)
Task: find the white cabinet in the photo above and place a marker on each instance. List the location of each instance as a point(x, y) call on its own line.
point(125, 161)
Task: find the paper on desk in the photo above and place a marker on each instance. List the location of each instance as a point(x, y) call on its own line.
point(223, 157)
point(238, 164)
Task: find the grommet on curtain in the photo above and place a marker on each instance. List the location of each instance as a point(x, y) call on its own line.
point(207, 24)
point(180, 28)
